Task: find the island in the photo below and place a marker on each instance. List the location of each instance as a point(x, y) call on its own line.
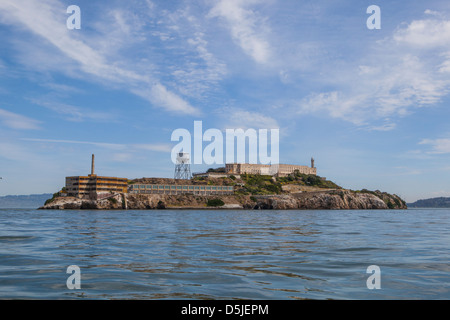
point(218, 190)
point(438, 202)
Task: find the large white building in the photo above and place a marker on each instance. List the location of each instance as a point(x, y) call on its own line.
point(279, 170)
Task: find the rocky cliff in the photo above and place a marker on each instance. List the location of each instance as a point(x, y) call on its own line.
point(334, 199)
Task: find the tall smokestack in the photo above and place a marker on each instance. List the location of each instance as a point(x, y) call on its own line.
point(92, 165)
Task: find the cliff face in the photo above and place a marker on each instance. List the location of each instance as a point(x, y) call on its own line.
point(341, 199)
point(335, 199)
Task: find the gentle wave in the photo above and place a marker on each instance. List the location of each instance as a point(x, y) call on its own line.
point(188, 254)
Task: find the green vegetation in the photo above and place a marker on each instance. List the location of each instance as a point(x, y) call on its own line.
point(256, 184)
point(112, 200)
point(439, 202)
point(55, 195)
point(160, 205)
point(218, 170)
point(215, 202)
point(392, 201)
point(259, 184)
point(310, 180)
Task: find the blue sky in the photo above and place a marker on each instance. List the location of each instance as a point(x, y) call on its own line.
point(371, 106)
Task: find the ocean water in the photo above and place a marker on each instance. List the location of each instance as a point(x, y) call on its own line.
point(225, 254)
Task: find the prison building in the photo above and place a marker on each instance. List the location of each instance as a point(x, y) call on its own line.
point(279, 170)
point(242, 168)
point(92, 186)
point(179, 189)
point(287, 169)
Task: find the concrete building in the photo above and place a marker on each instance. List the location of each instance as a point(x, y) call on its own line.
point(93, 186)
point(179, 189)
point(279, 170)
point(215, 175)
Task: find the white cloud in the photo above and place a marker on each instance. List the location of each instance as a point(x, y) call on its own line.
point(384, 127)
point(161, 97)
point(45, 20)
point(153, 147)
point(246, 26)
point(432, 12)
point(185, 36)
point(406, 71)
point(238, 118)
point(438, 146)
point(110, 146)
point(122, 157)
point(74, 113)
point(425, 34)
point(17, 121)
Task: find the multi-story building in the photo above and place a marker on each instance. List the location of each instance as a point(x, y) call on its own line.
point(93, 186)
point(267, 169)
point(180, 189)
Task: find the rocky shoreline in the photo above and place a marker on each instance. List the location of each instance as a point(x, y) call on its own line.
point(326, 200)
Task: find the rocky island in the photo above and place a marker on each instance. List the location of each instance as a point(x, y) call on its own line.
point(296, 191)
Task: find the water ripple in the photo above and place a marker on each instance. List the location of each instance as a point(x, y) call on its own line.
point(224, 254)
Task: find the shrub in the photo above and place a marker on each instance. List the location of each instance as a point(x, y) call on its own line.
point(55, 195)
point(215, 203)
point(160, 205)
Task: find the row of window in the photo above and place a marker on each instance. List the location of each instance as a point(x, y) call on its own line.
point(95, 189)
point(175, 187)
point(100, 184)
point(96, 179)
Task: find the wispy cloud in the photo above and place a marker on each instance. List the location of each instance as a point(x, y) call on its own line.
point(74, 113)
point(110, 146)
point(44, 19)
point(412, 72)
point(438, 146)
point(425, 34)
point(17, 121)
point(240, 118)
point(247, 28)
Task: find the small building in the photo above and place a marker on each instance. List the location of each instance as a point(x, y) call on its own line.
point(179, 189)
point(95, 187)
point(215, 175)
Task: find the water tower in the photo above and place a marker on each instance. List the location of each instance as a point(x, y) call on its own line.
point(182, 166)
